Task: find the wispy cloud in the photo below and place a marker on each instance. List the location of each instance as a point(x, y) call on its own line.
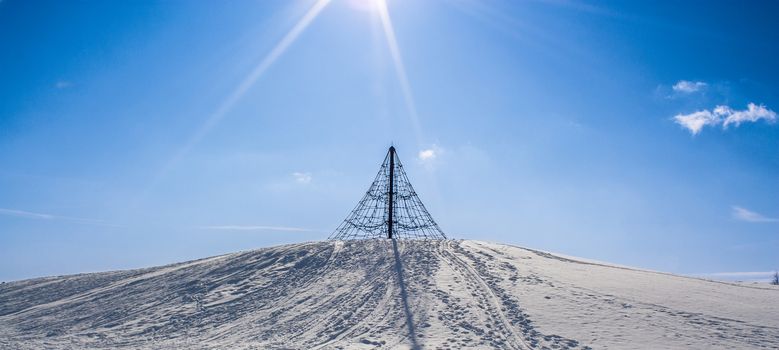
point(41, 216)
point(63, 84)
point(303, 178)
point(25, 214)
point(256, 228)
point(746, 276)
point(734, 274)
point(725, 116)
point(688, 87)
point(747, 215)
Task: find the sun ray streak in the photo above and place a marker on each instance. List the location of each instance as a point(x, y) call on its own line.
point(258, 70)
point(400, 69)
point(227, 105)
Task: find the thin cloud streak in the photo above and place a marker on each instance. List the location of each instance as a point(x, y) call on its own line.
point(303, 178)
point(737, 274)
point(686, 86)
point(228, 104)
point(747, 215)
point(41, 216)
point(256, 228)
point(746, 276)
point(25, 214)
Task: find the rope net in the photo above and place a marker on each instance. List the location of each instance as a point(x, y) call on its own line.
point(370, 218)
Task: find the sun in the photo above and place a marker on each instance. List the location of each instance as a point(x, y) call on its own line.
point(367, 5)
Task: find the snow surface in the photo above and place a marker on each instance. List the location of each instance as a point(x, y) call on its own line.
point(389, 294)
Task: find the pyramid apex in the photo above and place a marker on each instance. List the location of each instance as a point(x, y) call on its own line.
point(390, 209)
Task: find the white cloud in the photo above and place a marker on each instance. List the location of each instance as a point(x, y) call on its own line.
point(747, 215)
point(428, 155)
point(686, 86)
point(42, 216)
point(722, 111)
point(303, 178)
point(256, 228)
point(752, 114)
point(695, 121)
point(724, 115)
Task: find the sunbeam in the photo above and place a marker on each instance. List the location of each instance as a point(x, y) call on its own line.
point(249, 81)
point(392, 42)
point(389, 33)
point(241, 90)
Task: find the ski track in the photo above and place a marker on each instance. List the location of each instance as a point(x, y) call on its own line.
point(370, 294)
point(485, 294)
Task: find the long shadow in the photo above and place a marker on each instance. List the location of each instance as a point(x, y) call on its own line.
point(404, 298)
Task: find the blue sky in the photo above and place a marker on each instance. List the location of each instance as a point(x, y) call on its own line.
point(141, 133)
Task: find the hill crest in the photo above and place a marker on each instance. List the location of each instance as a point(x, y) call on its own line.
point(389, 294)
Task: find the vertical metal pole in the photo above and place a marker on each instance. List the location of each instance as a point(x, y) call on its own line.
point(391, 191)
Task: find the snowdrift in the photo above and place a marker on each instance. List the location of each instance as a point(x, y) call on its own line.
point(386, 294)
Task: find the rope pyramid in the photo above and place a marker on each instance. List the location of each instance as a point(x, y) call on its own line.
point(381, 213)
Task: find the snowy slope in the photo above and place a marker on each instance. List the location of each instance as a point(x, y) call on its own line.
point(368, 294)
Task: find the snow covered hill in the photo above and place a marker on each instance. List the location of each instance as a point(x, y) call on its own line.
point(378, 293)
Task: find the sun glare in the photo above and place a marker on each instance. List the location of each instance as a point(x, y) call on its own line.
point(366, 5)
